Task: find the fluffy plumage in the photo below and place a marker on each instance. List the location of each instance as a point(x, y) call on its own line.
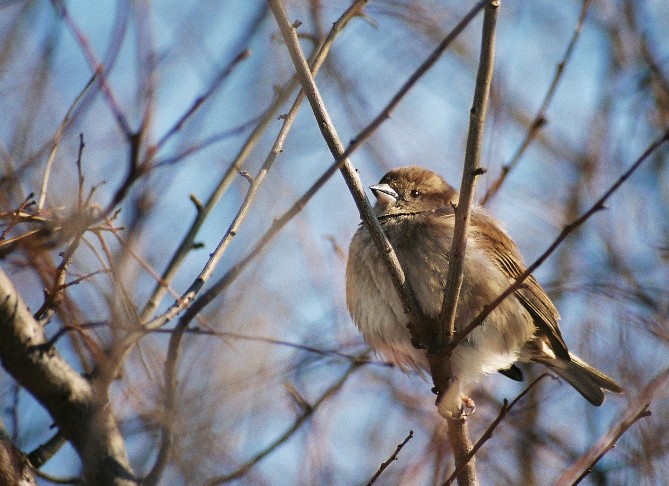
point(415, 209)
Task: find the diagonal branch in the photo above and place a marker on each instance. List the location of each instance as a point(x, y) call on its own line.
point(637, 409)
point(623, 427)
point(540, 118)
point(204, 210)
point(56, 141)
point(336, 147)
point(309, 410)
point(280, 222)
point(390, 460)
point(598, 206)
point(97, 68)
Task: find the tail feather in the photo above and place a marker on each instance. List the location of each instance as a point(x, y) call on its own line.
point(605, 382)
point(587, 380)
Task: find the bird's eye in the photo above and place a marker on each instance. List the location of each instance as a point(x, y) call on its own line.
point(414, 193)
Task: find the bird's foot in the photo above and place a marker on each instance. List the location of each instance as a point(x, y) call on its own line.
point(468, 406)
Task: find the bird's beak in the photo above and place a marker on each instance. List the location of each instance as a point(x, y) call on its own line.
point(385, 195)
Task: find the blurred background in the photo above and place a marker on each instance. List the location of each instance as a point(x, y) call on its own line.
point(271, 390)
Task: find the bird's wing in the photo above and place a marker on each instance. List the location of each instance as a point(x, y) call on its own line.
point(506, 256)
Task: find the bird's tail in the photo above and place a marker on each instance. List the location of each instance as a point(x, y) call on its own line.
point(587, 380)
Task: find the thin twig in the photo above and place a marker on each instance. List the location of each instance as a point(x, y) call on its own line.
point(598, 206)
point(196, 147)
point(540, 118)
point(146, 52)
point(299, 421)
point(78, 280)
point(384, 465)
point(96, 66)
point(186, 244)
point(198, 102)
point(50, 478)
point(279, 342)
point(65, 330)
point(59, 279)
point(622, 428)
point(655, 65)
point(80, 174)
point(56, 142)
point(19, 215)
point(636, 410)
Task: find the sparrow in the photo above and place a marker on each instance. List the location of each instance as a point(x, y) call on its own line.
point(416, 209)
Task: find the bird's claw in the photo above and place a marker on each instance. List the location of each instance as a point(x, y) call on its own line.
point(468, 406)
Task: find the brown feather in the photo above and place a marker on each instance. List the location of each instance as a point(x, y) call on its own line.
point(505, 254)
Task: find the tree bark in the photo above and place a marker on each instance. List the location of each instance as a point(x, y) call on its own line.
point(79, 407)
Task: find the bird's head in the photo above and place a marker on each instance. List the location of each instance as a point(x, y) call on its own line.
point(408, 190)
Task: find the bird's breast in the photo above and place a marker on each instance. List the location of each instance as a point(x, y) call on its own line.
point(372, 299)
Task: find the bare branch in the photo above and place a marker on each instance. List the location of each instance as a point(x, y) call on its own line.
point(80, 174)
point(470, 172)
point(299, 421)
point(51, 478)
point(337, 149)
point(636, 410)
point(540, 118)
point(80, 410)
point(59, 279)
point(205, 209)
point(56, 142)
point(390, 460)
point(621, 429)
point(261, 339)
point(341, 155)
point(199, 101)
point(41, 454)
point(96, 66)
point(598, 206)
point(504, 411)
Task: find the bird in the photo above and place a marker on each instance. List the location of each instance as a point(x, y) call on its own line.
point(416, 210)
